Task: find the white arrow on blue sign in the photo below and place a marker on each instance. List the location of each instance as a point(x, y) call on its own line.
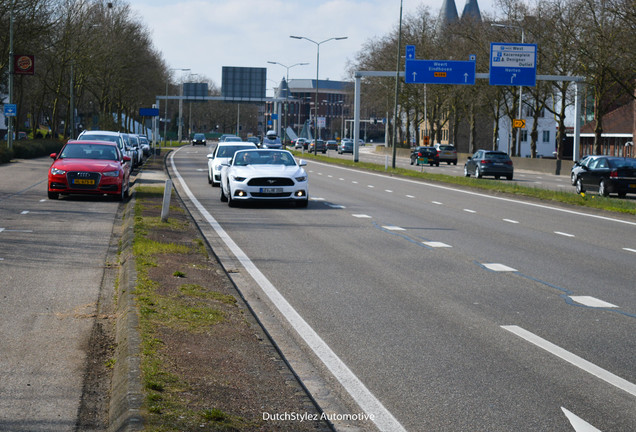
point(10, 110)
point(513, 64)
point(439, 72)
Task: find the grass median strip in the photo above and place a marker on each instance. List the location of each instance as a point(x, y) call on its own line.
point(585, 200)
point(186, 310)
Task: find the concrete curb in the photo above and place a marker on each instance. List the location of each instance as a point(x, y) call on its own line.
point(126, 399)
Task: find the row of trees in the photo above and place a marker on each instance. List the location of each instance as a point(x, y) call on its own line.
point(594, 39)
point(99, 48)
point(98, 57)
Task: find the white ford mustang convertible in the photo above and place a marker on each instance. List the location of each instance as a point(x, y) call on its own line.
point(264, 175)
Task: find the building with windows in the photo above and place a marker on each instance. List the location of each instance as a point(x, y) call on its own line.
point(294, 108)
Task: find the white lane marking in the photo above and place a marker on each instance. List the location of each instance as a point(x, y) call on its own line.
point(410, 196)
point(630, 250)
point(499, 198)
point(1, 229)
point(336, 206)
point(382, 418)
point(573, 359)
point(354, 182)
point(329, 176)
point(43, 200)
point(388, 190)
point(361, 216)
point(469, 211)
point(341, 179)
point(435, 244)
point(578, 423)
point(511, 221)
point(393, 228)
point(436, 202)
point(564, 234)
point(592, 302)
point(498, 267)
point(316, 199)
point(23, 212)
point(370, 186)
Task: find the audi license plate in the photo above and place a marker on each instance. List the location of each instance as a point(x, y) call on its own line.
point(83, 181)
point(271, 190)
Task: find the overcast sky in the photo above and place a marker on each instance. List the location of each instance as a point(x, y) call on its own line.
point(204, 36)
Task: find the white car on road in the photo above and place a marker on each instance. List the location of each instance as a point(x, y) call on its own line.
point(264, 175)
point(222, 155)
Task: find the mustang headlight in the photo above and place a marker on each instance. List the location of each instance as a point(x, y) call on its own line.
point(56, 171)
point(111, 174)
point(238, 179)
point(301, 178)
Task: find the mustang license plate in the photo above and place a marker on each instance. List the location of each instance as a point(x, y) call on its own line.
point(271, 190)
point(83, 181)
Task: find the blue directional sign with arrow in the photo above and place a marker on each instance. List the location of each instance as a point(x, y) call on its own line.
point(513, 64)
point(10, 110)
point(438, 71)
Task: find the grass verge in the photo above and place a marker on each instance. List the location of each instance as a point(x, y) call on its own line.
point(584, 200)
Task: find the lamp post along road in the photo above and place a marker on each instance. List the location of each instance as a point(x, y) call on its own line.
point(317, 136)
point(286, 93)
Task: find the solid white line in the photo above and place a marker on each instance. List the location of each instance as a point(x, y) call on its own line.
point(573, 359)
point(361, 216)
point(578, 423)
point(437, 186)
point(629, 250)
point(382, 418)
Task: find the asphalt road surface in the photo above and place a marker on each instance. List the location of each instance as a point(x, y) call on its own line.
point(437, 308)
point(52, 256)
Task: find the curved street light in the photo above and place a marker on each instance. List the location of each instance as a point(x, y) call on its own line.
point(286, 92)
point(317, 76)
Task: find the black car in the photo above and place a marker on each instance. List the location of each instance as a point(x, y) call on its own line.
point(578, 167)
point(199, 138)
point(424, 155)
point(489, 163)
point(608, 174)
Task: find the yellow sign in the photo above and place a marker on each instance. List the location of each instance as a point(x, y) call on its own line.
point(427, 140)
point(517, 123)
point(439, 74)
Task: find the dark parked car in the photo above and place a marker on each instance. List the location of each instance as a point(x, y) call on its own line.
point(199, 138)
point(332, 145)
point(577, 168)
point(320, 146)
point(489, 163)
point(608, 174)
point(424, 155)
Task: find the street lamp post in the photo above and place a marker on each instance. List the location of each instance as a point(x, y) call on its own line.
point(317, 77)
point(165, 121)
point(520, 87)
point(286, 92)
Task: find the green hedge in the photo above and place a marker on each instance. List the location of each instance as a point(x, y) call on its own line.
point(29, 149)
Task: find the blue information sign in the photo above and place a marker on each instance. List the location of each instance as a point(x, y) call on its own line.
point(410, 52)
point(148, 112)
point(513, 64)
point(439, 72)
point(10, 110)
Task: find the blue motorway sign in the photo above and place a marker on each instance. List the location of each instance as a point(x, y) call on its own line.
point(410, 52)
point(148, 112)
point(10, 110)
point(439, 72)
point(513, 64)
